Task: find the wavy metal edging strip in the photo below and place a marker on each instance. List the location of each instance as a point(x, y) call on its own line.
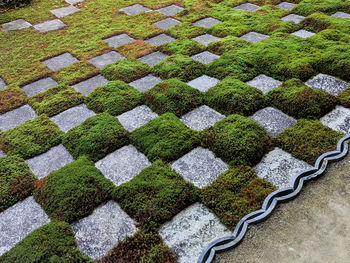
point(271, 201)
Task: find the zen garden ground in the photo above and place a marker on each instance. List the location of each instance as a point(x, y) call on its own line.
point(142, 131)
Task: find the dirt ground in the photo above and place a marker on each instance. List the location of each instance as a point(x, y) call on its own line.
point(313, 228)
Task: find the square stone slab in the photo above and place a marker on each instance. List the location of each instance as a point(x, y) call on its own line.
point(153, 58)
point(145, 83)
point(201, 118)
point(247, 7)
point(279, 167)
point(207, 22)
point(64, 11)
point(16, 117)
point(286, 5)
point(338, 119)
point(136, 117)
point(200, 167)
point(2, 84)
point(105, 59)
point(123, 164)
point(18, 221)
point(166, 23)
point(254, 37)
point(60, 61)
point(87, 86)
point(205, 57)
point(293, 18)
point(203, 83)
point(264, 83)
point(190, 231)
point(160, 40)
point(72, 117)
point(303, 33)
point(52, 160)
point(49, 25)
point(15, 25)
point(103, 229)
point(341, 15)
point(327, 83)
point(119, 40)
point(39, 86)
point(170, 10)
point(274, 121)
point(135, 9)
point(73, 2)
point(206, 39)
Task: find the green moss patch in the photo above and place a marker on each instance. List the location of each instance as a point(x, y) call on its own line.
point(184, 47)
point(185, 30)
point(307, 7)
point(344, 98)
point(136, 49)
point(228, 43)
point(12, 98)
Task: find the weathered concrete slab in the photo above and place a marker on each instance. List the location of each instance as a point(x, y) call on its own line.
point(60, 61)
point(286, 5)
point(327, 83)
point(135, 9)
point(16, 117)
point(105, 59)
point(145, 83)
point(87, 86)
point(247, 7)
point(49, 25)
point(39, 86)
point(203, 83)
point(170, 10)
point(303, 33)
point(16, 25)
point(160, 40)
point(64, 11)
point(206, 39)
point(341, 15)
point(207, 22)
point(2, 84)
point(166, 23)
point(264, 83)
point(119, 40)
point(293, 18)
point(254, 37)
point(205, 57)
point(136, 117)
point(338, 119)
point(153, 58)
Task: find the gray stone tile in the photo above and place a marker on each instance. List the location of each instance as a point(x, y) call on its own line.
point(338, 119)
point(87, 86)
point(247, 7)
point(16, 117)
point(72, 117)
point(50, 25)
point(123, 164)
point(60, 61)
point(293, 18)
point(160, 40)
point(18, 221)
point(341, 15)
point(190, 231)
point(153, 58)
point(264, 83)
point(119, 40)
point(15, 25)
point(2, 154)
point(73, 2)
point(105, 59)
point(274, 121)
point(136, 117)
point(254, 37)
point(2, 84)
point(207, 22)
point(39, 86)
point(203, 83)
point(135, 9)
point(64, 11)
point(206, 39)
point(286, 5)
point(170, 10)
point(166, 23)
point(205, 57)
point(52, 160)
point(303, 33)
point(201, 118)
point(103, 229)
point(327, 83)
point(279, 167)
point(145, 83)
point(200, 167)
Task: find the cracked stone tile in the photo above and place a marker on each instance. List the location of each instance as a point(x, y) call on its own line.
point(119, 40)
point(105, 59)
point(123, 164)
point(87, 86)
point(2, 84)
point(52, 160)
point(145, 83)
point(18, 221)
point(293, 18)
point(15, 25)
point(254, 37)
point(247, 7)
point(170, 10)
point(200, 167)
point(201, 118)
point(60, 61)
point(136, 117)
point(264, 83)
point(72, 2)
point(99, 232)
point(160, 40)
point(286, 5)
point(341, 15)
point(39, 86)
point(338, 119)
point(279, 167)
point(72, 117)
point(153, 58)
point(64, 11)
point(203, 83)
point(49, 25)
point(207, 22)
point(166, 23)
point(16, 117)
point(303, 33)
point(206, 39)
point(190, 231)
point(274, 121)
point(205, 57)
point(135, 9)
point(327, 83)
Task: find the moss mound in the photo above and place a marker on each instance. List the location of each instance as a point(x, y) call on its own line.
point(184, 47)
point(185, 30)
point(12, 98)
point(228, 43)
point(344, 98)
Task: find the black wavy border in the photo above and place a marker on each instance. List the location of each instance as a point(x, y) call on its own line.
point(271, 201)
